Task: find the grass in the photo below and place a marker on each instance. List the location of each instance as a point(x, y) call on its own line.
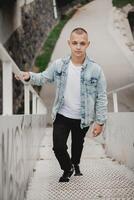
point(44, 57)
point(121, 3)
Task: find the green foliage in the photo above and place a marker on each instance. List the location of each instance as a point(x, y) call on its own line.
point(83, 2)
point(61, 3)
point(44, 58)
point(121, 3)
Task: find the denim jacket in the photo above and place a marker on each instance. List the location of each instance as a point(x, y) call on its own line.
point(92, 89)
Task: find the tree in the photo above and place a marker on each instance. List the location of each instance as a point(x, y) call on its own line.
point(62, 3)
point(121, 3)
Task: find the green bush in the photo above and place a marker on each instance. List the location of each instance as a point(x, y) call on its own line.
point(62, 3)
point(121, 3)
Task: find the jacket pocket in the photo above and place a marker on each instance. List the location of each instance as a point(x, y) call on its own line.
point(91, 86)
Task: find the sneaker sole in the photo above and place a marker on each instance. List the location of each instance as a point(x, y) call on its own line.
point(63, 180)
point(78, 174)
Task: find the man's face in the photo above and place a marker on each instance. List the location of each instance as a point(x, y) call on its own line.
point(78, 44)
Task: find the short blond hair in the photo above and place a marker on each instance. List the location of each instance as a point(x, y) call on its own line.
point(79, 30)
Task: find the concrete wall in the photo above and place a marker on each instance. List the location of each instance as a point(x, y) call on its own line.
point(120, 30)
point(19, 149)
point(119, 135)
point(10, 20)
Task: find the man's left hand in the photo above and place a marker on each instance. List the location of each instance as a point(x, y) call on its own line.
point(97, 129)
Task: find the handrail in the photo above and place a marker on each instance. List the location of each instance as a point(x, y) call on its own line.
point(9, 67)
point(121, 88)
point(5, 57)
point(23, 132)
point(114, 92)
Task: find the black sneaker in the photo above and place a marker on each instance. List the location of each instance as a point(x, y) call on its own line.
point(66, 175)
point(77, 171)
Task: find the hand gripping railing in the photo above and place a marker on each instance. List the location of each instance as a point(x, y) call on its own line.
point(10, 67)
point(114, 93)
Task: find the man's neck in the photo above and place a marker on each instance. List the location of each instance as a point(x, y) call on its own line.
point(77, 61)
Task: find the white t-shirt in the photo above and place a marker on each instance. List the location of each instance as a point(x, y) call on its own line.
point(71, 106)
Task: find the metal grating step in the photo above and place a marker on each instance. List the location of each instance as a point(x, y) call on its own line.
point(103, 179)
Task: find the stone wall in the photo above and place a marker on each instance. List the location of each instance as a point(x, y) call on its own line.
point(37, 21)
point(24, 44)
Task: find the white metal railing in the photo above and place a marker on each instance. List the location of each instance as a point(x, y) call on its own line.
point(10, 67)
point(114, 93)
point(20, 139)
point(55, 9)
point(119, 137)
point(118, 132)
point(20, 135)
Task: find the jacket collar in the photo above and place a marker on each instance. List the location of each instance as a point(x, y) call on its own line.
point(67, 59)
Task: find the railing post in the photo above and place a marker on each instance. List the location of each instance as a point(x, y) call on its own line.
point(55, 9)
point(41, 109)
point(26, 99)
point(115, 102)
point(7, 88)
point(34, 104)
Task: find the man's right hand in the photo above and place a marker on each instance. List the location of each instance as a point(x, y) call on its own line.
point(24, 76)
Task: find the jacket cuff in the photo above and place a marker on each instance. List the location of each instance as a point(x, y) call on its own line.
point(100, 123)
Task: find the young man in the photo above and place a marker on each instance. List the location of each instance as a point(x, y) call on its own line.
point(80, 100)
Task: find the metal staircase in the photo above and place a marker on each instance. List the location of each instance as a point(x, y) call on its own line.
point(108, 173)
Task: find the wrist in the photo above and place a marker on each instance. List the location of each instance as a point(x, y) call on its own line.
point(28, 79)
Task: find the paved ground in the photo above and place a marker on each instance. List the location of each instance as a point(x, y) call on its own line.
point(103, 178)
point(103, 49)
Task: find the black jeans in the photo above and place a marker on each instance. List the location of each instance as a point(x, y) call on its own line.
point(61, 129)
